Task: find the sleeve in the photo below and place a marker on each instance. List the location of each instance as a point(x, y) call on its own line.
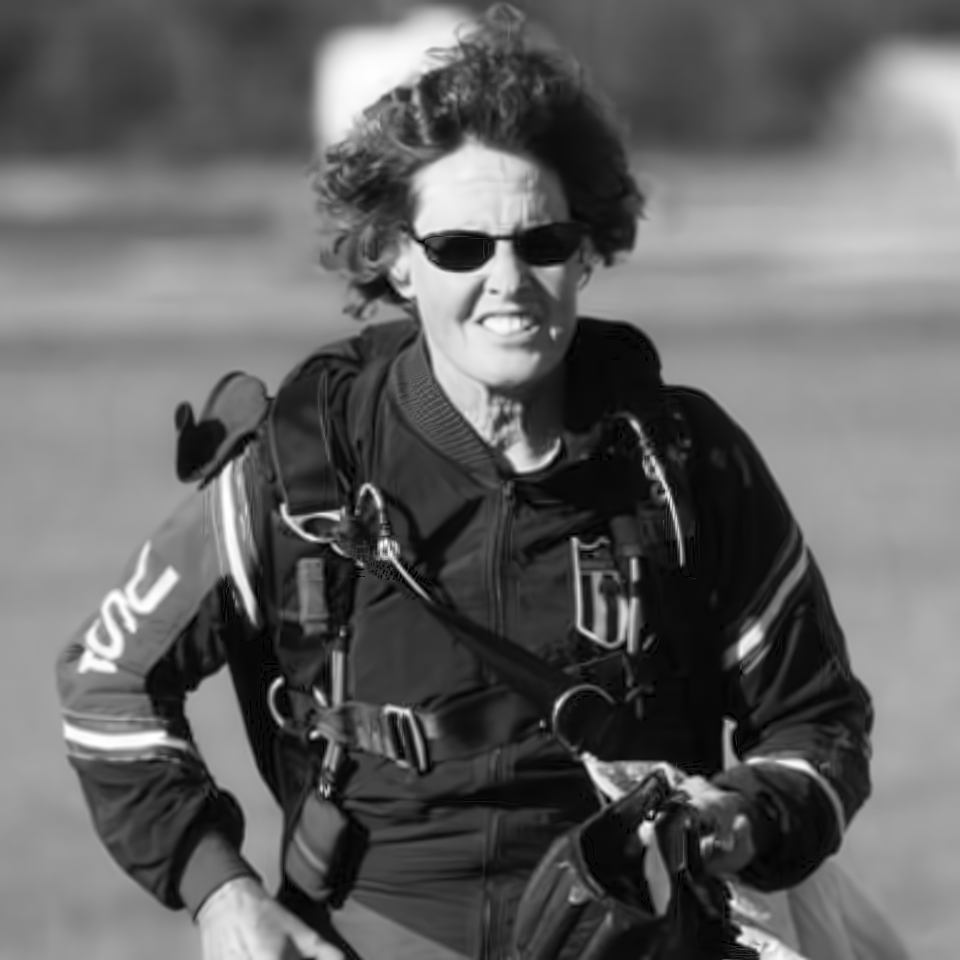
point(123, 679)
point(801, 719)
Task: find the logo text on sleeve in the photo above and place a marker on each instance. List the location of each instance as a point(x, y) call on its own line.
point(106, 636)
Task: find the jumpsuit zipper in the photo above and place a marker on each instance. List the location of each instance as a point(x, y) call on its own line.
point(499, 561)
point(500, 552)
point(488, 941)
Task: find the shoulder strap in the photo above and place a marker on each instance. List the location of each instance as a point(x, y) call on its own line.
point(314, 419)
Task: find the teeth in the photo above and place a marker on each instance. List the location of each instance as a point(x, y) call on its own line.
point(507, 324)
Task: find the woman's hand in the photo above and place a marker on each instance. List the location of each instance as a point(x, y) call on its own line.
point(241, 921)
point(726, 842)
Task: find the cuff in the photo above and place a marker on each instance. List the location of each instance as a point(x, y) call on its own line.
point(213, 862)
point(794, 823)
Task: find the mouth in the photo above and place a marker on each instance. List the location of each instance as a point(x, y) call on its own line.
point(512, 323)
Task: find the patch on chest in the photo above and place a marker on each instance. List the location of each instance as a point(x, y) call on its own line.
point(600, 594)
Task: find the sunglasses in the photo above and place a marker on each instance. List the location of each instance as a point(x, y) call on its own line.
point(462, 250)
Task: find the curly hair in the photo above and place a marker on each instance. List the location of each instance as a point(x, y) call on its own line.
point(498, 86)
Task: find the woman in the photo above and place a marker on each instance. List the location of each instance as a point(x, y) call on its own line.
point(527, 472)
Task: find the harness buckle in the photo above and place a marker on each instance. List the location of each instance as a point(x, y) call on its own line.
point(317, 527)
point(581, 715)
point(404, 740)
point(273, 692)
point(285, 720)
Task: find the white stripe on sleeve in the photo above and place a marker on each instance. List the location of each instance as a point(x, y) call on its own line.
point(753, 633)
point(145, 740)
point(237, 540)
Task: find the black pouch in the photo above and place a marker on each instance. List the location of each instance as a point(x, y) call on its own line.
point(602, 893)
point(565, 913)
point(317, 848)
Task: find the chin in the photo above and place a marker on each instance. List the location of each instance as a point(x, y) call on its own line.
point(515, 373)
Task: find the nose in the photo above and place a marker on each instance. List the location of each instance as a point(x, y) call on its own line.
point(506, 272)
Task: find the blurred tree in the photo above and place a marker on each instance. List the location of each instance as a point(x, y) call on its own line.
point(179, 77)
point(930, 17)
point(21, 40)
point(73, 76)
point(708, 73)
point(200, 77)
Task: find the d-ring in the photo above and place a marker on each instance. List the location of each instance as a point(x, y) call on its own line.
point(276, 685)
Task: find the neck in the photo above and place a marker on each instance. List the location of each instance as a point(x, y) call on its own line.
point(524, 425)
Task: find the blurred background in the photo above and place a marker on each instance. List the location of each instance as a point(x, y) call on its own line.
point(799, 260)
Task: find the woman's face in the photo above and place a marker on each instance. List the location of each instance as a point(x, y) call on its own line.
point(505, 324)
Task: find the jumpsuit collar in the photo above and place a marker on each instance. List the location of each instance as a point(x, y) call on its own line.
point(428, 409)
point(433, 416)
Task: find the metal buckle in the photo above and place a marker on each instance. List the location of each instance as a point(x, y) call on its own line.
point(276, 713)
point(404, 737)
point(298, 523)
point(284, 722)
point(572, 710)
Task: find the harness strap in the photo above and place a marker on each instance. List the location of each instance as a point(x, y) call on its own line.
point(322, 412)
point(417, 738)
point(331, 410)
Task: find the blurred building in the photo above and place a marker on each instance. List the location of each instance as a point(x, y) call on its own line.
point(355, 65)
point(904, 104)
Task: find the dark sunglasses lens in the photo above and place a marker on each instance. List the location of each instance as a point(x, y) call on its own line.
point(550, 244)
point(458, 251)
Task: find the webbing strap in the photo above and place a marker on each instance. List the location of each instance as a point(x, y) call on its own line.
point(303, 446)
point(583, 716)
point(321, 410)
point(318, 422)
point(417, 738)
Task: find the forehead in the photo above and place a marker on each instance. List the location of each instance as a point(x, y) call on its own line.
point(486, 188)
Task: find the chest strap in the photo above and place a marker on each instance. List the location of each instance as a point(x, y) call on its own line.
point(416, 738)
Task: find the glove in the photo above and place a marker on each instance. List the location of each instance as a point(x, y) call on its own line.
point(240, 921)
point(607, 890)
point(726, 834)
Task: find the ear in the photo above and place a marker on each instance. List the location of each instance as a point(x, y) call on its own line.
point(399, 273)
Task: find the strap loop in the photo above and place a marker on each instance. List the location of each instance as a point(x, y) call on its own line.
point(403, 737)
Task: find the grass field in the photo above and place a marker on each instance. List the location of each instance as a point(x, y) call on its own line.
point(825, 321)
